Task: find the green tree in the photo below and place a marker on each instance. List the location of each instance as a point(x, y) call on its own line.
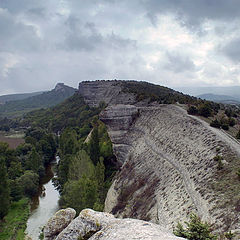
point(94, 146)
point(99, 172)
point(80, 165)
point(231, 122)
point(62, 171)
point(192, 110)
point(34, 161)
point(79, 194)
point(100, 177)
point(29, 182)
point(16, 190)
point(195, 230)
point(68, 142)
point(205, 110)
point(215, 123)
point(4, 189)
point(15, 170)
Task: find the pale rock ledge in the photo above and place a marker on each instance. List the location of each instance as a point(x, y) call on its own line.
point(94, 225)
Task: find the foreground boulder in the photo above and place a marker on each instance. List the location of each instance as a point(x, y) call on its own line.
point(104, 226)
point(58, 222)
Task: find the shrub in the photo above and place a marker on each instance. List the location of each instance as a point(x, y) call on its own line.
point(205, 110)
point(225, 126)
point(217, 158)
point(220, 165)
point(231, 122)
point(238, 134)
point(215, 123)
point(195, 230)
point(229, 235)
point(192, 110)
point(238, 173)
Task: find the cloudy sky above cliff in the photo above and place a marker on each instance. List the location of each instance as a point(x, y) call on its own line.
point(168, 42)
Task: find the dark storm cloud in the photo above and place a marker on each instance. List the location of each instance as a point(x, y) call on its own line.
point(16, 36)
point(80, 36)
point(194, 12)
point(178, 63)
point(46, 41)
point(15, 7)
point(37, 12)
point(85, 36)
point(232, 50)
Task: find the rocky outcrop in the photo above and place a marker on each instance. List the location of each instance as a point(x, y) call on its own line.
point(58, 222)
point(109, 92)
point(168, 170)
point(119, 118)
point(103, 226)
point(167, 161)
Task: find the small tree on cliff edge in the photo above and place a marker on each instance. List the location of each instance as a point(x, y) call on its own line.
point(4, 189)
point(196, 230)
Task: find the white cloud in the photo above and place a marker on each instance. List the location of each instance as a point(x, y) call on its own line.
point(166, 42)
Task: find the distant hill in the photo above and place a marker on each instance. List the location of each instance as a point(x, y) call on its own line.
point(44, 100)
point(219, 98)
point(233, 91)
point(14, 97)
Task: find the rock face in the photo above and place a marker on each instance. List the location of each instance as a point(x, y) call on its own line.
point(58, 222)
point(109, 92)
point(119, 118)
point(98, 225)
point(166, 158)
point(169, 172)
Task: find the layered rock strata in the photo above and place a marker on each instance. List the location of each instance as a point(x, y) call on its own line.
point(167, 161)
point(119, 118)
point(168, 169)
point(109, 92)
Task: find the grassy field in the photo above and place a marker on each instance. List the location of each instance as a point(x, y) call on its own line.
point(14, 224)
point(13, 139)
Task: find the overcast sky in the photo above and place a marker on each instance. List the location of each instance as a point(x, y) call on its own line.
point(169, 42)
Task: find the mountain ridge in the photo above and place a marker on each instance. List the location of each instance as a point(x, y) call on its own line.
point(166, 157)
point(43, 100)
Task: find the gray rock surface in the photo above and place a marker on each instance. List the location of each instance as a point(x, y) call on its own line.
point(166, 159)
point(129, 229)
point(85, 224)
point(58, 222)
point(168, 170)
point(119, 118)
point(109, 91)
point(98, 225)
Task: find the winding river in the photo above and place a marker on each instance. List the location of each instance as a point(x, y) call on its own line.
point(44, 205)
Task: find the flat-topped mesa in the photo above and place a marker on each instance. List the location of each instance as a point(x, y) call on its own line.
point(110, 92)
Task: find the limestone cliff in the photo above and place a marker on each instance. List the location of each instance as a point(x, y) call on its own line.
point(166, 157)
point(111, 92)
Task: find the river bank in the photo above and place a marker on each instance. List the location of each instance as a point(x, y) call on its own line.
point(14, 224)
point(43, 205)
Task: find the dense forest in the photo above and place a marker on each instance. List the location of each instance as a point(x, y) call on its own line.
point(85, 169)
point(21, 171)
